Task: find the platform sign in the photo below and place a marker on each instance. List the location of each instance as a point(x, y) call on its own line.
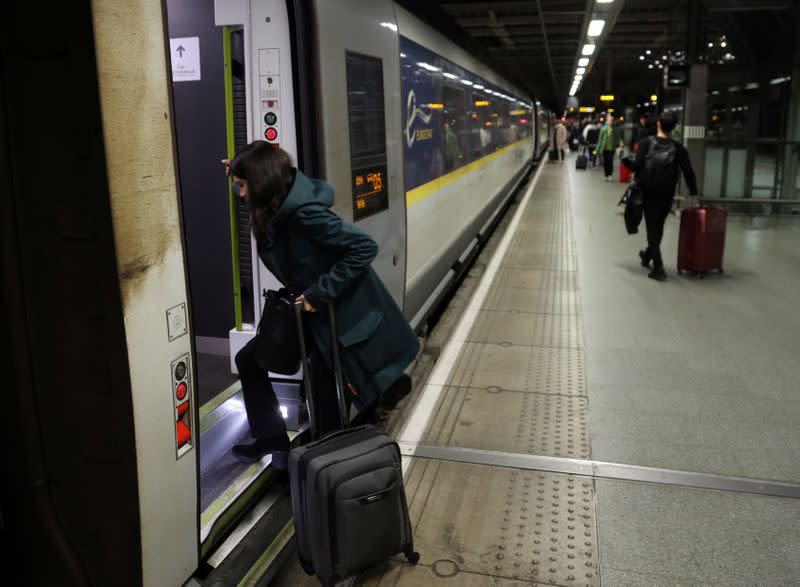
point(185, 56)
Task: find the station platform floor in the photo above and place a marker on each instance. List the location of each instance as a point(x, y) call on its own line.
point(585, 425)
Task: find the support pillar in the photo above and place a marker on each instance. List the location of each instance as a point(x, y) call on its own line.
point(694, 104)
point(790, 153)
point(694, 120)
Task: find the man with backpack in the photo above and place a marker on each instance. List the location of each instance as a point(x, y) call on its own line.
point(656, 165)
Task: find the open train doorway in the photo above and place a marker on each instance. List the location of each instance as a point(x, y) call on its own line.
point(232, 83)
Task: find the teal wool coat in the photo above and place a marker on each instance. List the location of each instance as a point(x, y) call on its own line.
point(314, 252)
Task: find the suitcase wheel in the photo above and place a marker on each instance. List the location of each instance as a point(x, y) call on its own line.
point(412, 557)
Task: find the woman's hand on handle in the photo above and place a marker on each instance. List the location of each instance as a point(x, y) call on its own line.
point(227, 164)
point(307, 307)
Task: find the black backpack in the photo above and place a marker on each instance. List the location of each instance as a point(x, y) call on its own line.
point(659, 167)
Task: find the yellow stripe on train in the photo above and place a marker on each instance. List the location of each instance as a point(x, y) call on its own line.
point(426, 189)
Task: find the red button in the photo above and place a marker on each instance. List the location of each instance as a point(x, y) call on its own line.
point(181, 391)
point(183, 433)
point(271, 134)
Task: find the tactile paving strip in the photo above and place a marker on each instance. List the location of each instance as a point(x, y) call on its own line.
point(507, 523)
point(529, 260)
point(536, 279)
point(524, 328)
point(538, 369)
point(534, 423)
point(539, 301)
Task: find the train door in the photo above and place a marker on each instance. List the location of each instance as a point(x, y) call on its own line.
point(358, 56)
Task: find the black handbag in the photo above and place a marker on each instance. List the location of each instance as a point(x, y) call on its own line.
point(633, 198)
point(277, 346)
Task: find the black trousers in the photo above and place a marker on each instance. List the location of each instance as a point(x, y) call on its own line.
point(261, 405)
point(656, 209)
point(608, 163)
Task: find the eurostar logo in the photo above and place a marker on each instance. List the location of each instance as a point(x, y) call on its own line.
point(415, 113)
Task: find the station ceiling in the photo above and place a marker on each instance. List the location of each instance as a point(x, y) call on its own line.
point(535, 43)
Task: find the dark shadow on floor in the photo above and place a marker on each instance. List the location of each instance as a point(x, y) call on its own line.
point(213, 376)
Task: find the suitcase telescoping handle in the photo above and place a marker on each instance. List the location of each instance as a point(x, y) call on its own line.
point(337, 369)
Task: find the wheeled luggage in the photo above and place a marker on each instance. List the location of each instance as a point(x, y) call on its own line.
point(582, 162)
point(553, 155)
point(348, 498)
point(624, 173)
point(701, 243)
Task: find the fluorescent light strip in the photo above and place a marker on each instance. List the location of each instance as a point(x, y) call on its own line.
point(595, 28)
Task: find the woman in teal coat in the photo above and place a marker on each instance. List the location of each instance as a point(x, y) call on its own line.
point(322, 259)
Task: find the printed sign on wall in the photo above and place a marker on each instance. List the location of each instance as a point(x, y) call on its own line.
point(185, 56)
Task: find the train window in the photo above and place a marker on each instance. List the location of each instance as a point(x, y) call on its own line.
point(366, 116)
point(498, 124)
point(455, 131)
point(483, 122)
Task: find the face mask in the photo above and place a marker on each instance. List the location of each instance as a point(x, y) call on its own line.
point(236, 188)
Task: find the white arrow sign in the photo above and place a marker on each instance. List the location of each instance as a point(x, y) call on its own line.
point(185, 56)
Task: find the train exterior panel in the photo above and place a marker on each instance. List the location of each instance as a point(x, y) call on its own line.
point(359, 110)
point(467, 135)
point(142, 184)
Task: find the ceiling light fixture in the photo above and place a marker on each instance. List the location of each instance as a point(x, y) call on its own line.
point(583, 61)
point(588, 49)
point(595, 27)
point(580, 70)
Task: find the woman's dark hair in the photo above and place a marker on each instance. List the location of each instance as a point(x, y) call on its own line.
point(268, 171)
point(668, 121)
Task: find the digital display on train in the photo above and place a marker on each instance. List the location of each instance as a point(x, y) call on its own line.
point(369, 191)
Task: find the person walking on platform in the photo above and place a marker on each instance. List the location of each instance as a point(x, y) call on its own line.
point(657, 163)
point(609, 140)
point(641, 132)
point(591, 132)
point(560, 140)
point(321, 259)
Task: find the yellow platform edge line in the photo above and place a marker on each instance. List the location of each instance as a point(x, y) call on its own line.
point(419, 193)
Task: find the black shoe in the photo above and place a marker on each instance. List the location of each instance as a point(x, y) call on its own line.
point(658, 274)
point(252, 452)
point(645, 257)
point(399, 389)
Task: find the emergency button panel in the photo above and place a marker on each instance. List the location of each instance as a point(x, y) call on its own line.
point(182, 395)
point(270, 94)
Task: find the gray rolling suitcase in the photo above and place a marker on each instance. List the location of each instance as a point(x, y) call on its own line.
point(348, 499)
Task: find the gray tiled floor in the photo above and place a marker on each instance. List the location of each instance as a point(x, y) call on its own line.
point(675, 537)
point(690, 374)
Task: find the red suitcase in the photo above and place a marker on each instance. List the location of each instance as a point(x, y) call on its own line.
point(702, 239)
point(624, 173)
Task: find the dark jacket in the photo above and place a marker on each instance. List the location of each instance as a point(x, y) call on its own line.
point(313, 251)
point(642, 132)
point(681, 163)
